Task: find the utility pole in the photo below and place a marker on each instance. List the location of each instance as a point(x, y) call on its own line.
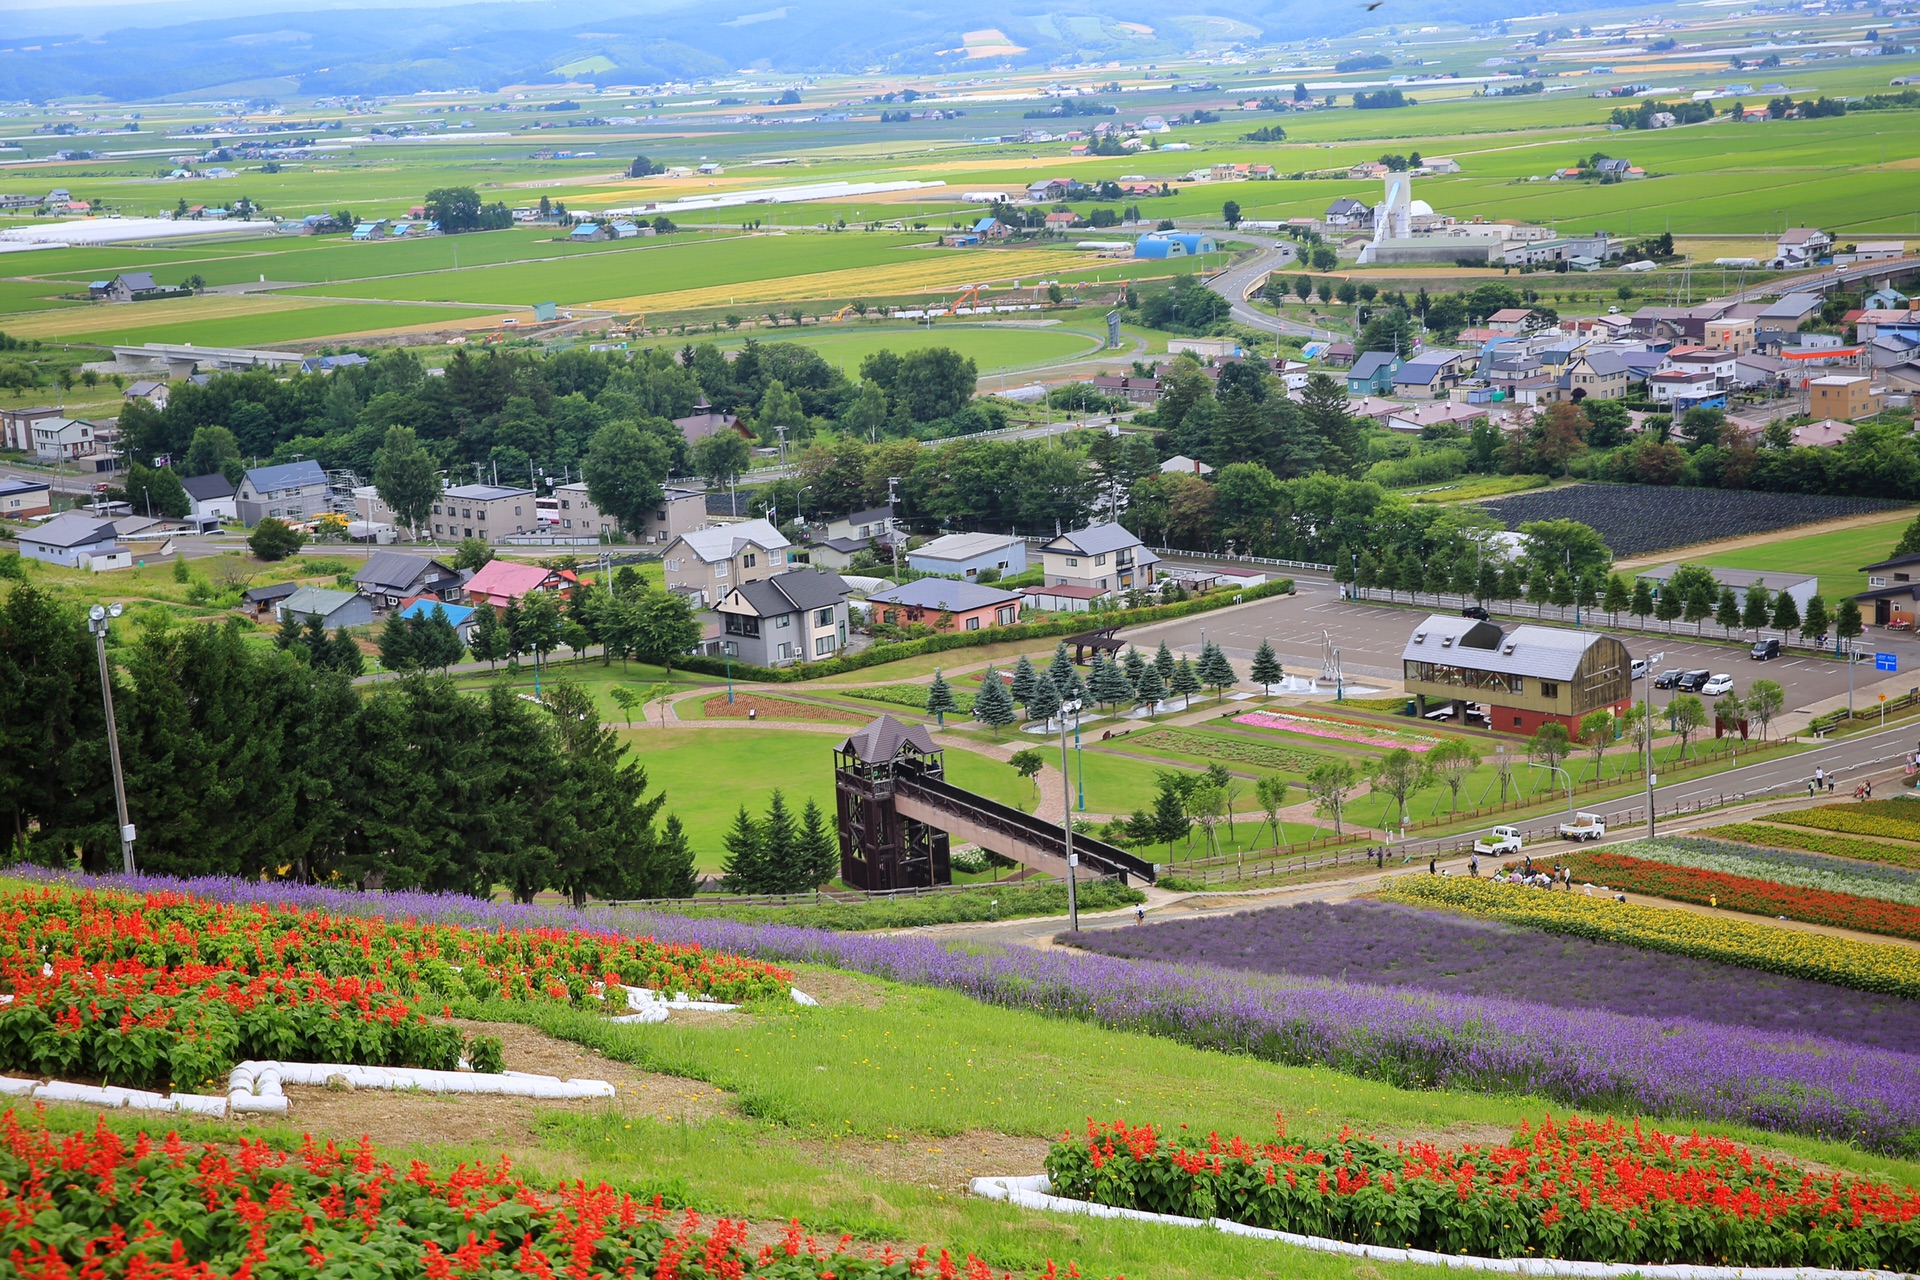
point(1653, 660)
point(1066, 818)
point(97, 619)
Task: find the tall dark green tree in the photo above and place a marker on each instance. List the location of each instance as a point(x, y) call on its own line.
point(1266, 670)
point(406, 478)
point(1023, 677)
point(744, 869)
point(819, 852)
point(993, 705)
point(940, 699)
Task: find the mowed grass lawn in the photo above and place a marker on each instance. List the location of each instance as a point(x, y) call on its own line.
point(709, 773)
point(1835, 557)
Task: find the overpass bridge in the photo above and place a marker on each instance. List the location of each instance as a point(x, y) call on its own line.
point(898, 814)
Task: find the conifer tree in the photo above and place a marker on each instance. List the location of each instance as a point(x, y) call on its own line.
point(396, 644)
point(1186, 682)
point(819, 851)
point(780, 847)
point(940, 699)
point(1163, 663)
point(675, 859)
point(1135, 663)
point(993, 705)
point(1786, 614)
point(1060, 670)
point(1022, 688)
point(1044, 700)
point(1266, 670)
point(1814, 627)
point(1617, 598)
point(1215, 670)
point(744, 869)
point(1112, 686)
point(432, 642)
point(1642, 606)
point(489, 639)
point(1150, 691)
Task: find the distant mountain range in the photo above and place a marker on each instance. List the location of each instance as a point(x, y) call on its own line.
point(130, 52)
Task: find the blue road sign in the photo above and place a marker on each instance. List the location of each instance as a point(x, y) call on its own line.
point(1886, 662)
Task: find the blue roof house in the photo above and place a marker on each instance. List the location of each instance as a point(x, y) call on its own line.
point(1372, 373)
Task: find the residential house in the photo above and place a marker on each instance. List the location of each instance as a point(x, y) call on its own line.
point(1340, 355)
point(485, 511)
point(1515, 320)
point(1181, 465)
point(1894, 322)
point(334, 609)
point(390, 578)
point(705, 421)
point(125, 287)
point(500, 582)
point(212, 497)
point(1368, 170)
point(876, 522)
point(836, 554)
point(679, 511)
point(1823, 434)
point(992, 229)
point(799, 616)
point(332, 364)
point(291, 491)
point(586, 232)
point(946, 605)
point(16, 426)
point(1440, 413)
point(1047, 189)
point(1893, 592)
point(1685, 389)
point(1756, 370)
point(968, 555)
point(1789, 311)
point(1062, 220)
point(1101, 557)
point(708, 563)
point(1372, 373)
point(63, 439)
point(23, 499)
point(1135, 390)
point(1885, 298)
point(1349, 213)
point(1717, 364)
point(1801, 247)
point(1845, 396)
point(153, 392)
point(459, 616)
point(1063, 598)
point(1431, 373)
point(1596, 375)
point(72, 538)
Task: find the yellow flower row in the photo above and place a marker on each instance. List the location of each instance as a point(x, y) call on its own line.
point(1869, 966)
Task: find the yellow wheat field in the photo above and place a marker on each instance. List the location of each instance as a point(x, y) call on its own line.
point(943, 272)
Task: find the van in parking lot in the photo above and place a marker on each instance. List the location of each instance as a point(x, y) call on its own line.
point(1692, 681)
point(1764, 649)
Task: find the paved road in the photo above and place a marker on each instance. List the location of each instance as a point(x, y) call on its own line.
point(1233, 283)
point(1371, 637)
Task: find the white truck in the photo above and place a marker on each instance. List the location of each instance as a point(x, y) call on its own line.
point(1585, 826)
point(1499, 841)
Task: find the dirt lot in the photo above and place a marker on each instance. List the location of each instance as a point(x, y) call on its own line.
point(766, 708)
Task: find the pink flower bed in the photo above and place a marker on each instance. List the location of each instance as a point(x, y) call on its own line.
point(1338, 730)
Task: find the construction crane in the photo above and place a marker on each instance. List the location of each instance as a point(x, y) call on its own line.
point(971, 295)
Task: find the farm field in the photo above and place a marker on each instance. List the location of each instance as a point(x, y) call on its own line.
point(1639, 520)
point(1421, 950)
point(229, 321)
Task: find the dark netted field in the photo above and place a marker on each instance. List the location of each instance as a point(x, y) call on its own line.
point(1637, 519)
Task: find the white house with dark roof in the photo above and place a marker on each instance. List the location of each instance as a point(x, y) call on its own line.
point(799, 616)
point(1801, 247)
point(390, 578)
point(1100, 557)
point(291, 491)
point(212, 496)
point(72, 538)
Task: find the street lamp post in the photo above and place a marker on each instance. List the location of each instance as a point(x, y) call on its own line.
point(726, 648)
point(1646, 730)
point(97, 619)
point(1080, 758)
point(1066, 817)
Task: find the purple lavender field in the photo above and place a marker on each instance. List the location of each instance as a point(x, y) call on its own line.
point(1395, 946)
point(1678, 1067)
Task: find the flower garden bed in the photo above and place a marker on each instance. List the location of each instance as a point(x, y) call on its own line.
point(170, 989)
point(1665, 877)
point(1595, 1190)
point(1782, 866)
point(1417, 1040)
point(762, 707)
point(1765, 834)
point(1265, 755)
point(1895, 819)
point(96, 1204)
point(1869, 966)
point(1334, 729)
point(911, 696)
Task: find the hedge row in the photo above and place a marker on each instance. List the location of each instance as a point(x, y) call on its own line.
point(881, 654)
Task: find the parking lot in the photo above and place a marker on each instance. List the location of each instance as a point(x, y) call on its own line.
point(1370, 639)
